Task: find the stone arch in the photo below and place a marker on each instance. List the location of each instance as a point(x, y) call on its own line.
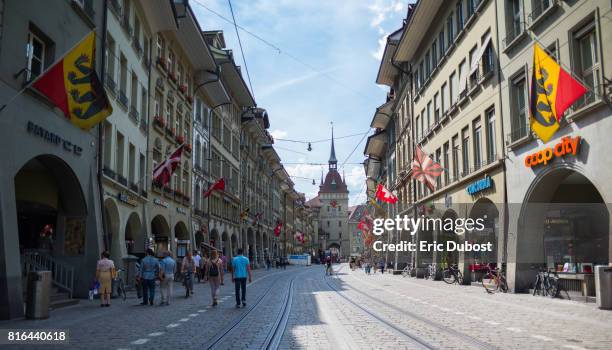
point(160, 232)
point(112, 225)
point(134, 238)
point(181, 238)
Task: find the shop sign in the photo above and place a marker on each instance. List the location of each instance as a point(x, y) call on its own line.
point(480, 185)
point(127, 198)
point(53, 138)
point(161, 203)
point(568, 145)
point(181, 210)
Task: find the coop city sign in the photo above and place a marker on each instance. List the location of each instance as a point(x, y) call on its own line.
point(567, 145)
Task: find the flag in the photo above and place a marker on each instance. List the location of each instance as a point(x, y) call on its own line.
point(277, 229)
point(378, 206)
point(244, 214)
point(163, 171)
point(425, 169)
point(219, 185)
point(553, 91)
point(385, 195)
point(73, 86)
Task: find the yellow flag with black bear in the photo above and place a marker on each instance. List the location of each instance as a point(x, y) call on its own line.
point(73, 86)
point(553, 90)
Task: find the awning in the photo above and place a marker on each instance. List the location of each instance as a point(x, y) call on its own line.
point(382, 116)
point(478, 55)
point(376, 145)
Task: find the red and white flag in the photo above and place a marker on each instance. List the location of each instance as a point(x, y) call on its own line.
point(425, 169)
point(217, 186)
point(385, 195)
point(277, 229)
point(163, 171)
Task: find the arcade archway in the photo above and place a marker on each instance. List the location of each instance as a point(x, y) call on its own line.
point(160, 231)
point(181, 236)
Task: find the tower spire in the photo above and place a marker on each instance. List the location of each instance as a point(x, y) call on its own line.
point(332, 156)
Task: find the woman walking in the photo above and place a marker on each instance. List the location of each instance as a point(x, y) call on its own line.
point(188, 269)
point(105, 273)
point(214, 275)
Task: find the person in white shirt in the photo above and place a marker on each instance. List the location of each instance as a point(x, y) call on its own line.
point(198, 259)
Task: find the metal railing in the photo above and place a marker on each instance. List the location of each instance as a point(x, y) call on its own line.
point(539, 7)
point(62, 275)
point(513, 33)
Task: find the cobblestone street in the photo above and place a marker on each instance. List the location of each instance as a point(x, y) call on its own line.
point(347, 311)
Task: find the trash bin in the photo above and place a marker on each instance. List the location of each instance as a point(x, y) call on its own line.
point(603, 286)
point(38, 294)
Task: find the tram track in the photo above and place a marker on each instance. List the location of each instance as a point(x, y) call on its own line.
point(411, 337)
point(274, 333)
point(473, 342)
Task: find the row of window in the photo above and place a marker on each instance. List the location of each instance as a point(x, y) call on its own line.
point(126, 164)
point(167, 57)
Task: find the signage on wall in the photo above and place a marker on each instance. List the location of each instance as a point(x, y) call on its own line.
point(53, 138)
point(127, 198)
point(480, 185)
point(567, 145)
point(161, 203)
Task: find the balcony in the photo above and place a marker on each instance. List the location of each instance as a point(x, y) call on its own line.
point(134, 114)
point(514, 35)
point(517, 134)
point(123, 100)
point(122, 180)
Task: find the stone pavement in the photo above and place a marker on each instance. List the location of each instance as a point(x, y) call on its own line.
point(349, 310)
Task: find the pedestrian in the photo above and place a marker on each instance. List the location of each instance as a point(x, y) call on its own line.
point(381, 266)
point(167, 267)
point(149, 271)
point(268, 263)
point(214, 275)
point(240, 270)
point(328, 266)
point(284, 263)
point(203, 264)
point(198, 260)
point(224, 262)
point(277, 262)
point(188, 268)
point(105, 273)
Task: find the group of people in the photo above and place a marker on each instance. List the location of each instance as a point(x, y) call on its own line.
point(151, 269)
point(367, 267)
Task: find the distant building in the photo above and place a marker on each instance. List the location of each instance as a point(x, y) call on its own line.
point(356, 212)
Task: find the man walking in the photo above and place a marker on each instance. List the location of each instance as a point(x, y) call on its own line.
point(198, 263)
point(149, 270)
point(240, 270)
point(167, 267)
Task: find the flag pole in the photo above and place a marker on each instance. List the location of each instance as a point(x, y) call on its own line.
point(29, 84)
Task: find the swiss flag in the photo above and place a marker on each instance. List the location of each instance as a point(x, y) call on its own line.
point(385, 195)
point(277, 229)
point(219, 185)
point(164, 170)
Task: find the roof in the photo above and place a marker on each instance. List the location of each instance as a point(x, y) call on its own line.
point(356, 212)
point(333, 183)
point(387, 71)
point(315, 202)
point(419, 21)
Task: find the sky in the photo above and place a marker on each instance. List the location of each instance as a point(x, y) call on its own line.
point(338, 44)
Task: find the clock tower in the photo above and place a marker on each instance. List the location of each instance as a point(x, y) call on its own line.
point(333, 214)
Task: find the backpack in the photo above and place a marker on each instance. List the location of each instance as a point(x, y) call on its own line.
point(213, 270)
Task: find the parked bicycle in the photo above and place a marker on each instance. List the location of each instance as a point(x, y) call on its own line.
point(120, 284)
point(431, 271)
point(452, 275)
point(494, 280)
point(547, 283)
point(408, 270)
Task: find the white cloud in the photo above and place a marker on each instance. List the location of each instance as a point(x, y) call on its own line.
point(382, 42)
point(278, 134)
point(382, 8)
point(269, 89)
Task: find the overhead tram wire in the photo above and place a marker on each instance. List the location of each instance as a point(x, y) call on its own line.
point(317, 141)
point(246, 68)
point(278, 49)
point(354, 149)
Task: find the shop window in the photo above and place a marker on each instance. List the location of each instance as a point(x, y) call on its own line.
point(586, 56)
point(518, 122)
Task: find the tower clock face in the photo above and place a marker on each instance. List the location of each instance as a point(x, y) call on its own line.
point(333, 203)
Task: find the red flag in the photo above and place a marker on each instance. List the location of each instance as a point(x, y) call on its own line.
point(277, 229)
point(163, 171)
point(425, 169)
point(217, 186)
point(385, 195)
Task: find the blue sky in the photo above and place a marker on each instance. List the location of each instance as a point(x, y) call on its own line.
point(343, 40)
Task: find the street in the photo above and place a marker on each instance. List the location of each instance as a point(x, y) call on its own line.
point(300, 308)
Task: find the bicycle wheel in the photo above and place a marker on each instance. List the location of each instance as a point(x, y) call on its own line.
point(459, 277)
point(489, 283)
point(448, 276)
point(503, 286)
point(553, 287)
